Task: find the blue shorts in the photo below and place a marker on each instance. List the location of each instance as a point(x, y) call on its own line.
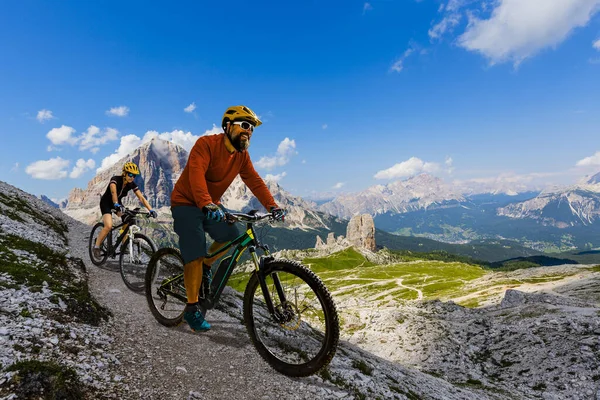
point(190, 223)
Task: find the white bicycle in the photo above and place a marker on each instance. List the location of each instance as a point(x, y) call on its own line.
point(134, 255)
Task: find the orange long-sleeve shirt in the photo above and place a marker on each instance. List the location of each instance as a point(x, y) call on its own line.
point(210, 170)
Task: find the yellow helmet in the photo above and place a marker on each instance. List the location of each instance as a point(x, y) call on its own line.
point(131, 167)
point(240, 113)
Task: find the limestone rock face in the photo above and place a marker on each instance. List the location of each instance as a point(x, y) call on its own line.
point(161, 163)
point(319, 243)
point(361, 232)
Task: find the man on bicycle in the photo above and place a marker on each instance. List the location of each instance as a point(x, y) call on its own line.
point(118, 188)
point(213, 163)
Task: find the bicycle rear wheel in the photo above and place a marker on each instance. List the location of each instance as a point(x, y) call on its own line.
point(165, 291)
point(103, 247)
point(133, 265)
point(302, 336)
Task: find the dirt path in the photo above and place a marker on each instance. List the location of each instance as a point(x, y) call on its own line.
point(175, 363)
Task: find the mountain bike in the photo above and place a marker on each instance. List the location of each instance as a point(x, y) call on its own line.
point(134, 255)
point(289, 314)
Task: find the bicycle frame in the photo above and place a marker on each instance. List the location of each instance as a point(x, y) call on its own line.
point(247, 240)
point(129, 228)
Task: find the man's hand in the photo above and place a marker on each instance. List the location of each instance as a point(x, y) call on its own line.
point(153, 213)
point(278, 214)
point(119, 208)
point(213, 212)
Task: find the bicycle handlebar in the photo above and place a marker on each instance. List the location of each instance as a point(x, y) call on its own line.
point(135, 211)
point(234, 217)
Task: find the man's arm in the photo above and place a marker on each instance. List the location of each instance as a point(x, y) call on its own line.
point(198, 162)
point(257, 185)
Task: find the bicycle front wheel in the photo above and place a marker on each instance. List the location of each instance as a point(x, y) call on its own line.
point(134, 261)
point(103, 247)
point(165, 291)
point(301, 337)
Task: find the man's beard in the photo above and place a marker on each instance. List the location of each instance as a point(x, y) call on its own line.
point(239, 144)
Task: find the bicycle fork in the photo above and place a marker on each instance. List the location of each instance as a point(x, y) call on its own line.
point(259, 264)
point(133, 229)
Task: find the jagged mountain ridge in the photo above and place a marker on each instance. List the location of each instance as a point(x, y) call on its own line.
point(420, 192)
point(574, 206)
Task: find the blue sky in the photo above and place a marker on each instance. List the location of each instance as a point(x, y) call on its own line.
point(352, 93)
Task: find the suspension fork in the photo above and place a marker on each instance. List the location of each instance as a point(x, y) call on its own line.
point(259, 264)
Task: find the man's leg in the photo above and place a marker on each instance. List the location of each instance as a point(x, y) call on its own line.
point(188, 224)
point(192, 278)
point(207, 269)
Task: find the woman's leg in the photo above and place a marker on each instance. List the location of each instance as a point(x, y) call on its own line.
point(107, 220)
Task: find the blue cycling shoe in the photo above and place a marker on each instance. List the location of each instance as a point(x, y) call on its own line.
point(195, 319)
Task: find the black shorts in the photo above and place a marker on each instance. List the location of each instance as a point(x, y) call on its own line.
point(106, 207)
point(190, 224)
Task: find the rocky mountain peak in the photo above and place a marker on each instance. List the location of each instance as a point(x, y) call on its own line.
point(420, 192)
point(160, 162)
point(594, 180)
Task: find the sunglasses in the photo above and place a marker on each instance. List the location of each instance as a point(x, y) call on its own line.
point(129, 174)
point(245, 125)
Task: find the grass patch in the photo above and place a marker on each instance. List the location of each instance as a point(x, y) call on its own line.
point(362, 367)
point(345, 259)
point(45, 380)
point(595, 268)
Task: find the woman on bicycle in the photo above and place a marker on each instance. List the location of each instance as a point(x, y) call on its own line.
point(118, 188)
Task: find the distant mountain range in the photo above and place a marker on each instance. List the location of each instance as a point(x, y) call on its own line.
point(423, 207)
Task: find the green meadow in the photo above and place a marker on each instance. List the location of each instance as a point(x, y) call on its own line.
point(348, 274)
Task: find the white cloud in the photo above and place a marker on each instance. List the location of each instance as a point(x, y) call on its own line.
point(81, 167)
point(596, 44)
point(324, 126)
point(506, 182)
point(411, 167)
point(190, 108)
point(398, 65)
point(62, 135)
point(44, 115)
point(131, 142)
point(303, 161)
point(128, 144)
point(54, 168)
point(338, 185)
point(285, 150)
point(15, 168)
point(215, 130)
point(183, 139)
point(449, 166)
point(121, 111)
point(94, 137)
point(447, 24)
point(518, 29)
point(367, 7)
point(88, 140)
point(589, 161)
point(275, 178)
